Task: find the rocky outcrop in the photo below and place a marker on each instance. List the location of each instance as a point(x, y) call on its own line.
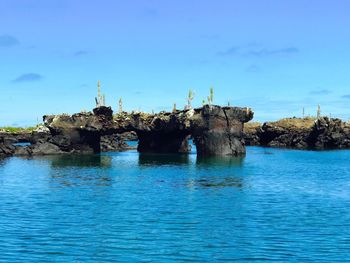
point(6, 149)
point(114, 143)
point(307, 133)
point(329, 134)
point(216, 130)
point(250, 133)
point(128, 136)
point(219, 130)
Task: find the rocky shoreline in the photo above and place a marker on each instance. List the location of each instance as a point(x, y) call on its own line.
point(39, 142)
point(300, 133)
point(214, 129)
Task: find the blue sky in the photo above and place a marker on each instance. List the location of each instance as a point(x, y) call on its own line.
point(273, 56)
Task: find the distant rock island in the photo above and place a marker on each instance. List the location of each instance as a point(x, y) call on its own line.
point(215, 130)
point(300, 133)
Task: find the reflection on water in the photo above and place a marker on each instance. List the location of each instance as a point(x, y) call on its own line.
point(80, 170)
point(153, 159)
point(216, 182)
point(75, 160)
point(130, 207)
point(220, 161)
point(69, 179)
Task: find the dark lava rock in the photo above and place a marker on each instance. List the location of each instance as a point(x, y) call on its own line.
point(330, 134)
point(296, 133)
point(128, 136)
point(250, 133)
point(104, 113)
point(114, 143)
point(6, 149)
point(45, 148)
point(219, 130)
point(216, 130)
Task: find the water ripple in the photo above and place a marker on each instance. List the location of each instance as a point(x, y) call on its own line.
point(273, 205)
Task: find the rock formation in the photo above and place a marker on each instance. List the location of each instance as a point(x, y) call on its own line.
point(219, 130)
point(307, 133)
point(215, 130)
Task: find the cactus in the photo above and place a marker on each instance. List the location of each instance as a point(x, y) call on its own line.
point(318, 111)
point(174, 107)
point(211, 96)
point(189, 99)
point(99, 89)
point(100, 99)
point(120, 105)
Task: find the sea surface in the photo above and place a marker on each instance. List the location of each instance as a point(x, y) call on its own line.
point(274, 204)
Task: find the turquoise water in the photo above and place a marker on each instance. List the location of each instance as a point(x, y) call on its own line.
point(281, 205)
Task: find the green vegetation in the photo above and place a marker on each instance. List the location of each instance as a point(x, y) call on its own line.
point(295, 123)
point(285, 123)
point(120, 105)
point(211, 96)
point(250, 127)
point(318, 111)
point(10, 129)
point(189, 99)
point(100, 99)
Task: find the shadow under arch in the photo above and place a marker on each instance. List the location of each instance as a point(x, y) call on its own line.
point(156, 159)
point(84, 160)
point(80, 170)
point(220, 161)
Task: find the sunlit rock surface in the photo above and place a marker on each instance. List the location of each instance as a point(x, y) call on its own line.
point(215, 130)
point(298, 133)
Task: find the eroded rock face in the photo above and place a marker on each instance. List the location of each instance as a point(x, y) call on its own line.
point(39, 143)
point(323, 133)
point(114, 143)
point(219, 130)
point(216, 130)
point(330, 134)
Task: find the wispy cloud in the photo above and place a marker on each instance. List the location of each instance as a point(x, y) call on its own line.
point(81, 53)
point(230, 51)
point(8, 41)
point(28, 77)
point(257, 50)
point(347, 96)
point(320, 92)
point(268, 52)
